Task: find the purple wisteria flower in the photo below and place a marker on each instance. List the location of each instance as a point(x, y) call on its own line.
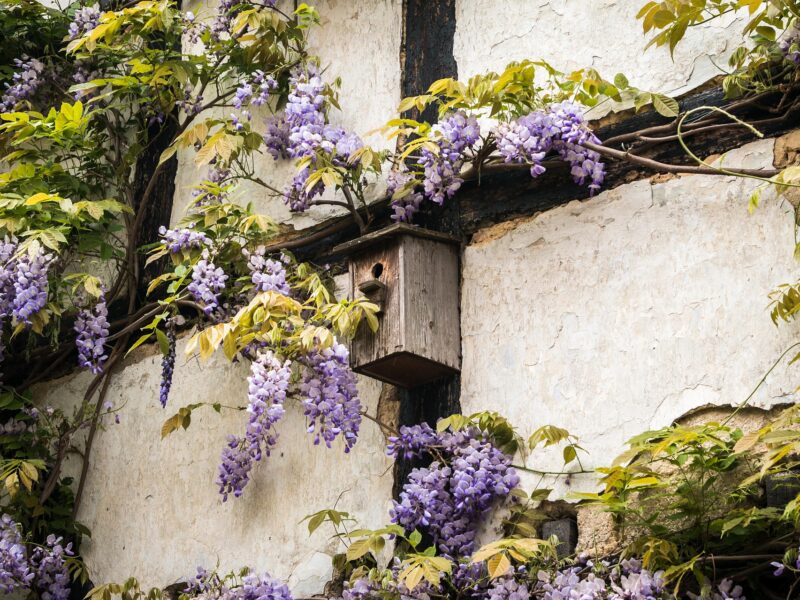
point(30, 285)
point(226, 11)
point(24, 83)
point(330, 397)
point(413, 441)
point(306, 133)
point(49, 561)
point(509, 587)
point(85, 19)
point(208, 281)
point(167, 365)
point(179, 240)
point(790, 46)
point(261, 587)
point(91, 328)
point(453, 135)
point(562, 128)
point(267, 388)
point(44, 569)
point(405, 202)
point(276, 139)
point(361, 589)
point(8, 247)
point(267, 275)
point(15, 571)
point(255, 586)
point(256, 91)
point(449, 500)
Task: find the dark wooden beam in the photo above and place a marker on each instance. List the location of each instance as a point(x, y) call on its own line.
point(496, 197)
point(427, 55)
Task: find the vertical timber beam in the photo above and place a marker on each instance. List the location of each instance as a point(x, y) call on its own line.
point(427, 55)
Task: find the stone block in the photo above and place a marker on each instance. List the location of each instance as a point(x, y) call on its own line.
point(566, 530)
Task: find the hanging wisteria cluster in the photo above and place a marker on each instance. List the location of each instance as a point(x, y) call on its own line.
point(266, 274)
point(268, 385)
point(26, 81)
point(44, 567)
point(789, 45)
point(23, 283)
point(85, 19)
point(560, 128)
point(449, 499)
point(183, 239)
point(91, 328)
point(329, 397)
point(304, 132)
point(167, 365)
point(253, 586)
point(208, 280)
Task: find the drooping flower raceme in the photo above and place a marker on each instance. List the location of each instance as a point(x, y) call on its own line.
point(91, 327)
point(330, 397)
point(49, 561)
point(167, 366)
point(24, 83)
point(261, 587)
point(305, 132)
point(85, 19)
point(407, 203)
point(179, 240)
point(454, 135)
point(412, 441)
point(254, 586)
point(208, 281)
point(30, 285)
point(44, 569)
point(15, 571)
point(8, 246)
point(267, 275)
point(790, 46)
point(562, 127)
point(255, 91)
point(508, 588)
point(267, 388)
point(449, 499)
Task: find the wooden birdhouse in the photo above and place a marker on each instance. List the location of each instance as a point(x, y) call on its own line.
point(412, 275)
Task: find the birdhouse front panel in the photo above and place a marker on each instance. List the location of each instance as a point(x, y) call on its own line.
point(412, 275)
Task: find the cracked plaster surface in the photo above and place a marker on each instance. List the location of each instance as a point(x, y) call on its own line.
point(619, 314)
point(153, 506)
point(573, 34)
point(357, 41)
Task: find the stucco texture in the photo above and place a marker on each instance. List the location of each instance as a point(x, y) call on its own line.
point(574, 34)
point(153, 505)
point(619, 314)
point(357, 41)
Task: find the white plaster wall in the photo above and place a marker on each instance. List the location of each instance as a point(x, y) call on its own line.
point(573, 34)
point(153, 505)
point(619, 314)
point(357, 41)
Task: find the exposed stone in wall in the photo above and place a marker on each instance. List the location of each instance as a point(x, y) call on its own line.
point(598, 535)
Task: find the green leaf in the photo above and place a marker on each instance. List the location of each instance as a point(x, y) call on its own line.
point(139, 342)
point(665, 106)
point(163, 342)
point(415, 538)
